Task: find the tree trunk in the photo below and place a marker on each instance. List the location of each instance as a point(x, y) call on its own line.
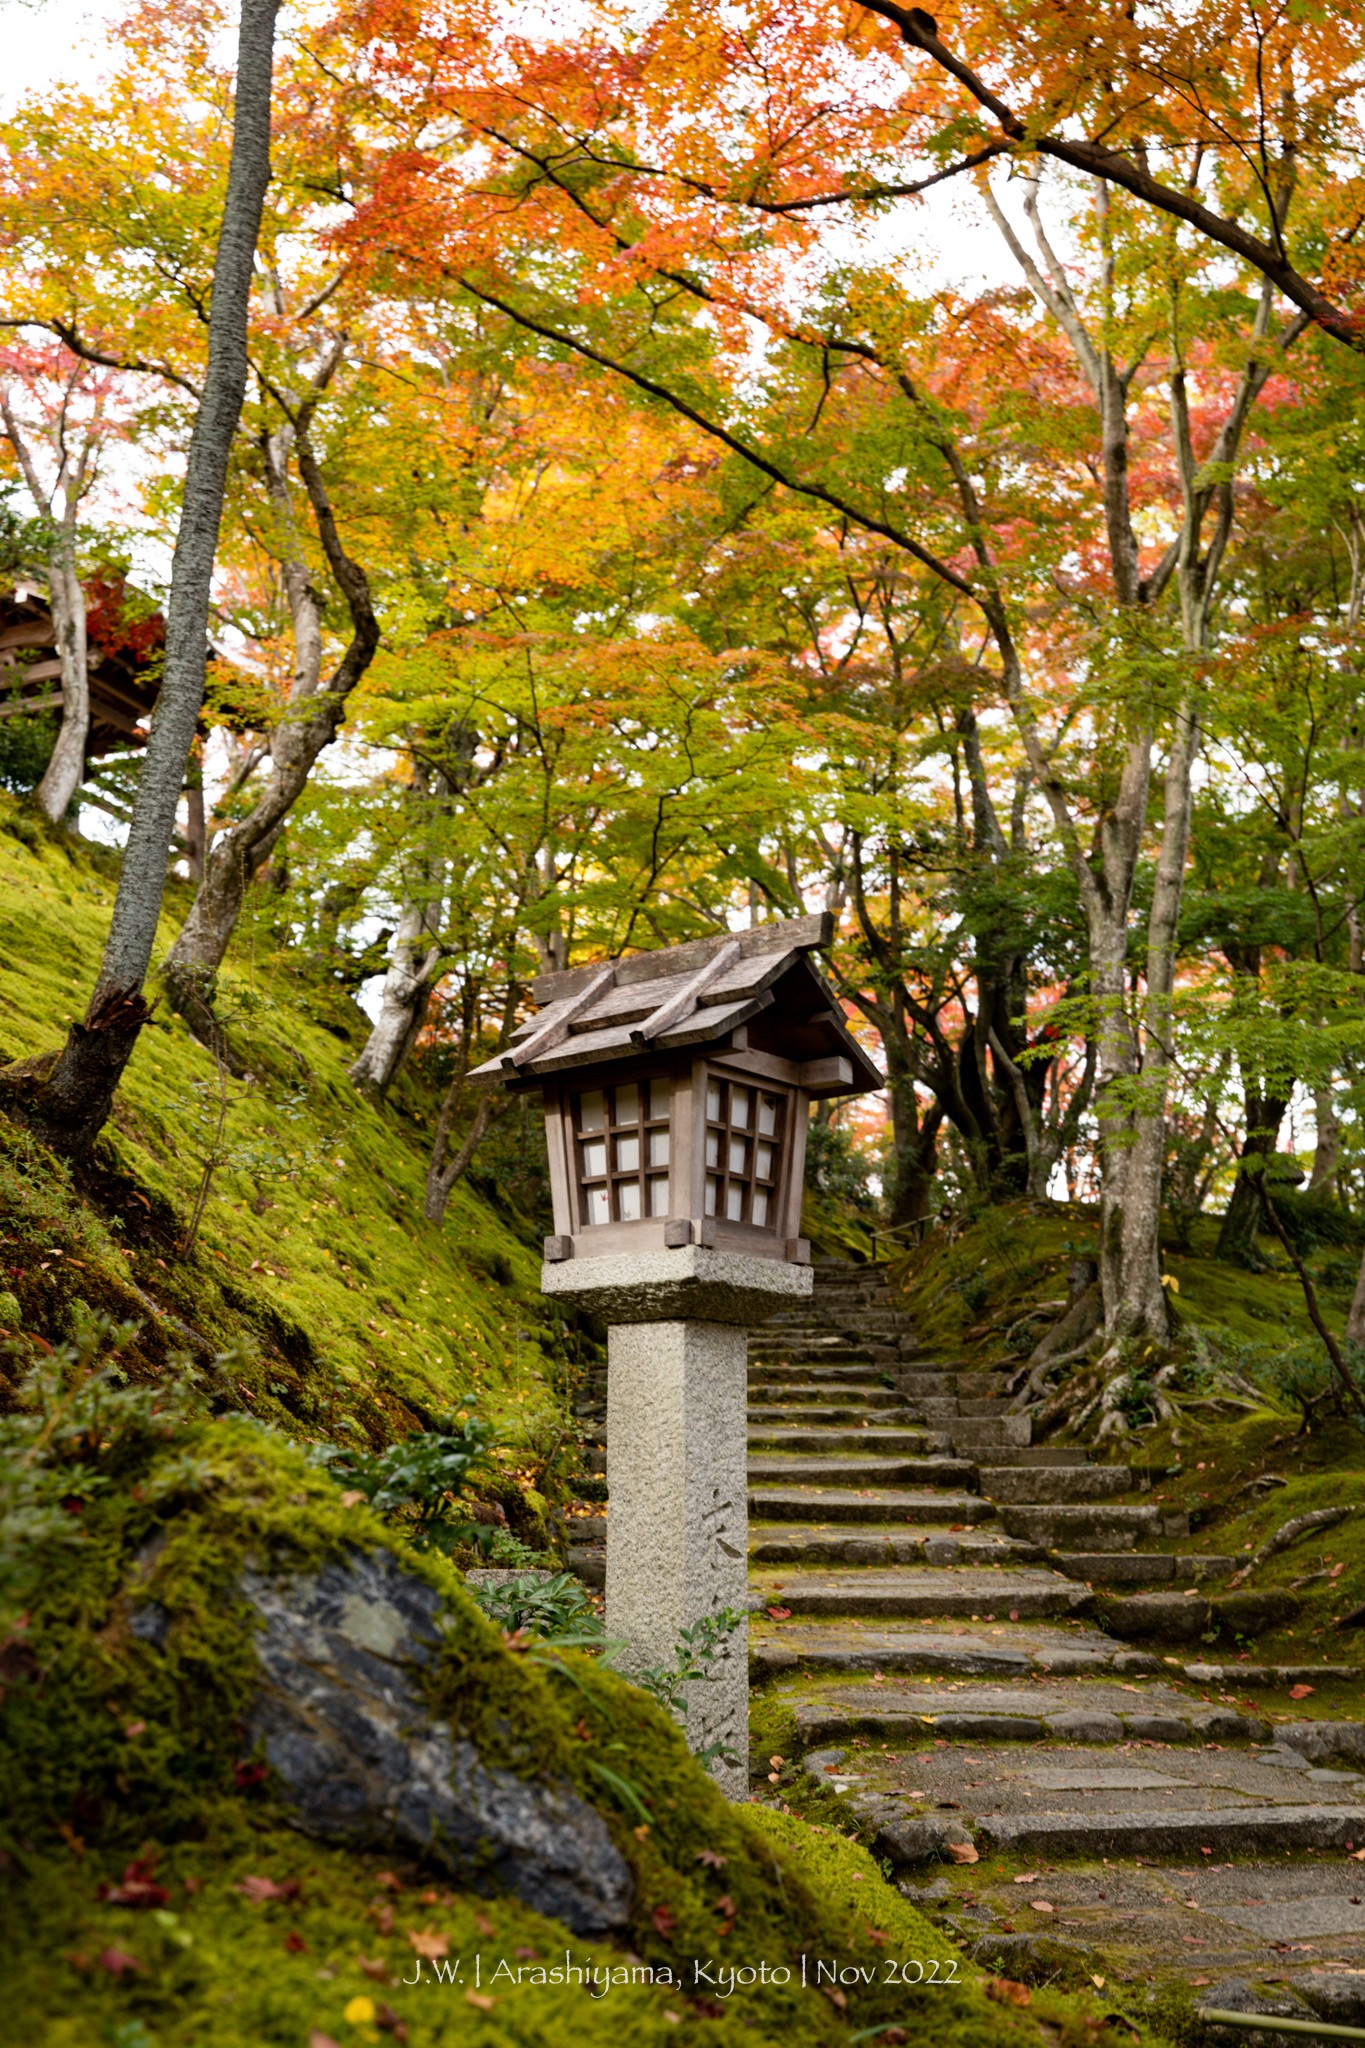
point(1327, 1151)
point(444, 1170)
point(196, 824)
point(65, 771)
point(309, 724)
point(70, 1103)
point(1242, 1217)
point(412, 970)
point(1355, 1321)
point(914, 1137)
point(1143, 1311)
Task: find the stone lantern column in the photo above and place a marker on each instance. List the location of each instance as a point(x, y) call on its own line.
point(677, 1443)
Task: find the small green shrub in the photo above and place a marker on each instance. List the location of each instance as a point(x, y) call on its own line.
point(555, 1607)
point(418, 1483)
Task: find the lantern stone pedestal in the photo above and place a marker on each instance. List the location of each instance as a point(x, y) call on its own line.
point(677, 1087)
point(677, 1441)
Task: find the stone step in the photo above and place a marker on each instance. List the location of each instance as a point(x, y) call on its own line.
point(988, 1404)
point(924, 1592)
point(813, 1350)
point(841, 1543)
point(870, 1393)
point(950, 1380)
point(1138, 1567)
point(872, 1436)
point(940, 1409)
point(1040, 1712)
point(826, 1413)
point(1041, 1456)
point(1182, 1834)
point(1004, 1649)
point(1030, 1485)
point(979, 1431)
point(1277, 1677)
point(1099, 1524)
point(1190, 1616)
point(1083, 1796)
point(810, 1375)
point(872, 1505)
point(794, 1470)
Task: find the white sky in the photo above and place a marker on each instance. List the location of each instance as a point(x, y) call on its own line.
point(48, 42)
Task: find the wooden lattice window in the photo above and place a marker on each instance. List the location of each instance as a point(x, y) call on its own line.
point(744, 1137)
point(621, 1141)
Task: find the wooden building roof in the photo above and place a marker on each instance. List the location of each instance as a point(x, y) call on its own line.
point(124, 663)
point(700, 994)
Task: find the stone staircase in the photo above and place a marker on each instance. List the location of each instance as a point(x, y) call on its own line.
point(998, 1655)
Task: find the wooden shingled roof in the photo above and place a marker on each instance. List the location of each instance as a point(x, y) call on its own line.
point(124, 663)
point(698, 994)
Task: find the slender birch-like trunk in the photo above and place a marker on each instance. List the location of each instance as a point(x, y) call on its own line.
point(412, 971)
point(65, 770)
point(67, 1098)
point(310, 722)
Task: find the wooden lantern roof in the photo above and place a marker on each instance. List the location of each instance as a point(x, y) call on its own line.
point(758, 989)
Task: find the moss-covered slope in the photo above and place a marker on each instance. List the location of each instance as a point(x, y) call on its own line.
point(353, 1315)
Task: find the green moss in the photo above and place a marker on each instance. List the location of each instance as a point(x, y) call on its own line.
point(109, 1742)
point(1016, 1258)
point(359, 1313)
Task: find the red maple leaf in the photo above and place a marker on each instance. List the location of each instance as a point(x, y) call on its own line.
point(118, 1962)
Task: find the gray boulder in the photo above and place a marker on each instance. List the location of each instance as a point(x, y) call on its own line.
point(343, 1726)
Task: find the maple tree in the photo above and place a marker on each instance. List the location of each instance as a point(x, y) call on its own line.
point(68, 1097)
point(669, 239)
point(643, 294)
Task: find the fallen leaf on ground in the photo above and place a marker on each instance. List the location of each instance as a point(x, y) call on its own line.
point(484, 1926)
point(259, 1889)
point(1029, 1877)
point(1299, 1692)
point(427, 1942)
point(711, 1858)
point(137, 1887)
point(117, 1961)
point(352, 1497)
point(779, 1613)
point(295, 1943)
point(317, 2039)
point(1005, 1991)
point(481, 1999)
point(374, 1966)
point(961, 1852)
point(1042, 1906)
point(664, 1921)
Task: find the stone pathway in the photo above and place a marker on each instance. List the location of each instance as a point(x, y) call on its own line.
point(1002, 1648)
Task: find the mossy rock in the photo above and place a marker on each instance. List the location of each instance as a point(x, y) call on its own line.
point(136, 1682)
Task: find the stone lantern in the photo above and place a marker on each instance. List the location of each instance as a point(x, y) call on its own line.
point(676, 1087)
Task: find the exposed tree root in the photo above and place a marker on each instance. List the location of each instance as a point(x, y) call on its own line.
point(1289, 1532)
